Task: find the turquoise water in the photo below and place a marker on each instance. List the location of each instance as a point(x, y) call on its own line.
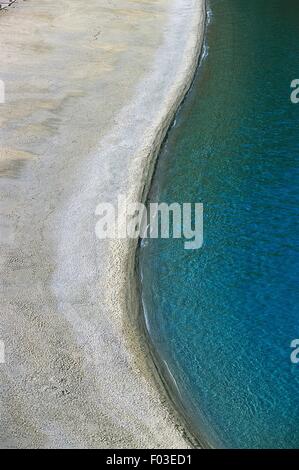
point(222, 318)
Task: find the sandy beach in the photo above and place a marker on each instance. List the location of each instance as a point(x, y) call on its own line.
point(90, 92)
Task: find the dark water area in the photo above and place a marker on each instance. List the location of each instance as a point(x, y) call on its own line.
point(221, 319)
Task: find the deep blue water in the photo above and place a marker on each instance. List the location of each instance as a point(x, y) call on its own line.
point(223, 317)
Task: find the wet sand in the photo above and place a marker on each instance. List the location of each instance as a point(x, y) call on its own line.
point(90, 93)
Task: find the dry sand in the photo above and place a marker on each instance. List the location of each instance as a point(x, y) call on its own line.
point(91, 89)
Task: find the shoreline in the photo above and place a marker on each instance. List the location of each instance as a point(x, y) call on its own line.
point(164, 379)
point(126, 259)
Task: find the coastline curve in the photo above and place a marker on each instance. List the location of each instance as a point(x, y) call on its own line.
point(125, 301)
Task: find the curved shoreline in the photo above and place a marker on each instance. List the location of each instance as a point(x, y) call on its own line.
point(124, 254)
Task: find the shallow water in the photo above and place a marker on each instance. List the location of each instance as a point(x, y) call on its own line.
point(222, 318)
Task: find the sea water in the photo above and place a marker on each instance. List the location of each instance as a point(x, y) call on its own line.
point(221, 319)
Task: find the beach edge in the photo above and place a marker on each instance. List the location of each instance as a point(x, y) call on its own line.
point(125, 301)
